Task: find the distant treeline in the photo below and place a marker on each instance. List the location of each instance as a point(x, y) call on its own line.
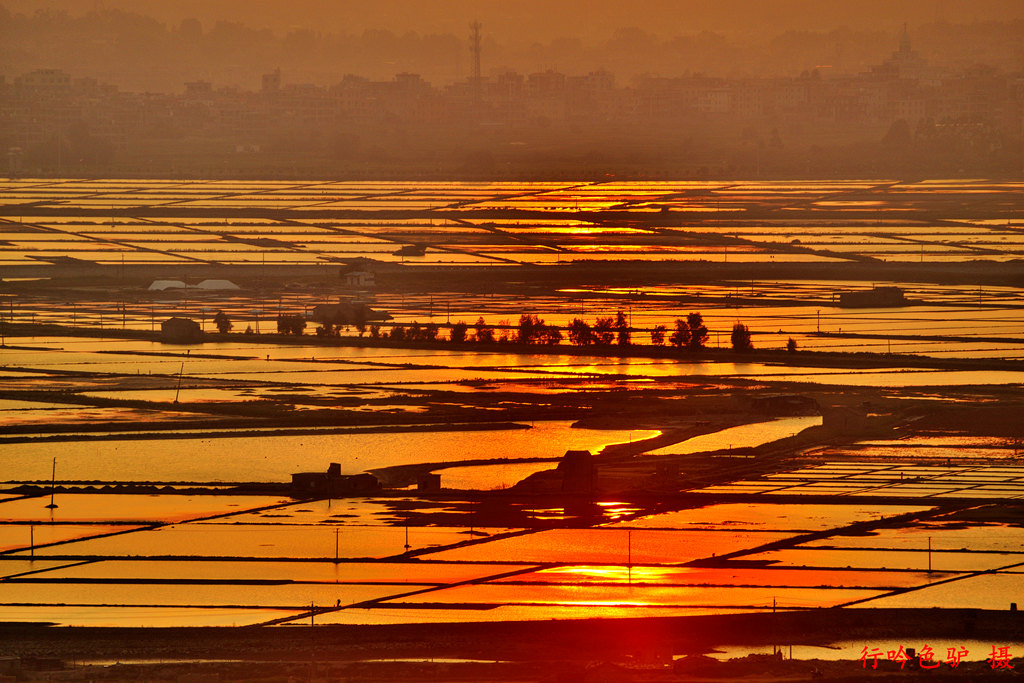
point(686, 333)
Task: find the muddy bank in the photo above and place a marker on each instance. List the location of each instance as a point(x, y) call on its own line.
point(586, 640)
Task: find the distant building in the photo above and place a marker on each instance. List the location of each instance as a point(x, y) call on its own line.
point(49, 81)
point(208, 285)
point(360, 279)
point(161, 285)
point(182, 330)
point(579, 473)
point(429, 482)
point(199, 89)
point(876, 297)
point(272, 81)
point(345, 313)
point(844, 420)
point(216, 285)
point(907, 64)
point(411, 250)
point(783, 404)
point(332, 483)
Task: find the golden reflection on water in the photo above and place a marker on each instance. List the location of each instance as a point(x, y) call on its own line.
point(617, 574)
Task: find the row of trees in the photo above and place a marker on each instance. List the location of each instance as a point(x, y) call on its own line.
point(690, 333)
point(686, 333)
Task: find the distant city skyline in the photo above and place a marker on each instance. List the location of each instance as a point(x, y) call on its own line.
point(142, 47)
point(548, 19)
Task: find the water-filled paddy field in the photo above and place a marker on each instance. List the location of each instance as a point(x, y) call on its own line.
point(725, 507)
point(352, 564)
point(762, 224)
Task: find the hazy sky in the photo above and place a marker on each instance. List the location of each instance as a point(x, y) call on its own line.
point(545, 19)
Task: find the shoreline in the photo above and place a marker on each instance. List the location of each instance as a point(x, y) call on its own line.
point(571, 639)
point(833, 359)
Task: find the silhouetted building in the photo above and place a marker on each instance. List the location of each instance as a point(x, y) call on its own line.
point(877, 297)
point(429, 482)
point(579, 473)
point(50, 81)
point(411, 250)
point(345, 313)
point(199, 89)
point(844, 420)
point(783, 404)
point(360, 279)
point(182, 330)
point(272, 81)
point(332, 483)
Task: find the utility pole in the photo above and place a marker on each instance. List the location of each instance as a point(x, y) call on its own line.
point(53, 485)
point(178, 389)
point(474, 50)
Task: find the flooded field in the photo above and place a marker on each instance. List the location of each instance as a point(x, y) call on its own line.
point(163, 229)
point(274, 457)
point(286, 559)
point(147, 481)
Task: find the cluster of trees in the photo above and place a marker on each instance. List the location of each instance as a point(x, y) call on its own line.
point(690, 333)
point(223, 322)
point(686, 333)
point(603, 332)
point(335, 329)
point(414, 332)
point(291, 324)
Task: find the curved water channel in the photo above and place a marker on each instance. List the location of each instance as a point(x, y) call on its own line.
point(273, 458)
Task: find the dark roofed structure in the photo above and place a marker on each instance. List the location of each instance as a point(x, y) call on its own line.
point(578, 472)
point(332, 483)
point(184, 330)
point(876, 297)
point(346, 313)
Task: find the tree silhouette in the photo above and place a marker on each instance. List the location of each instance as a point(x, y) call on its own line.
point(458, 331)
point(791, 345)
point(530, 328)
point(741, 338)
point(223, 322)
point(484, 333)
point(681, 336)
point(622, 326)
point(549, 334)
point(580, 333)
point(291, 324)
point(604, 331)
point(658, 335)
point(698, 331)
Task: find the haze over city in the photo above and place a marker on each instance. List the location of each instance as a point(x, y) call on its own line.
point(156, 46)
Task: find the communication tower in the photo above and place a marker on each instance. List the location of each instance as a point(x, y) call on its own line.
point(474, 50)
